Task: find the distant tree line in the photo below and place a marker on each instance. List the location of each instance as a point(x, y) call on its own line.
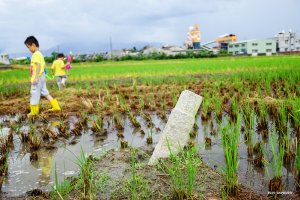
point(136, 56)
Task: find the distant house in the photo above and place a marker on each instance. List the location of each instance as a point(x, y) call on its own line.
point(167, 49)
point(4, 59)
point(253, 47)
point(150, 49)
point(172, 49)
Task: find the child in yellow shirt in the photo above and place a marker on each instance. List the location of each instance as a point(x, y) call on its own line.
point(38, 79)
point(58, 67)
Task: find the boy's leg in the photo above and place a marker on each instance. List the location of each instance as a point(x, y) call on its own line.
point(46, 93)
point(35, 96)
point(58, 81)
point(63, 81)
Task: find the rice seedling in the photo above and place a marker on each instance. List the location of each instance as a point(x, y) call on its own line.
point(133, 120)
point(124, 144)
point(33, 156)
point(263, 121)
point(3, 164)
point(246, 112)
point(234, 112)
point(218, 108)
point(97, 124)
point(61, 189)
point(251, 137)
point(83, 119)
point(123, 105)
point(207, 141)
point(146, 116)
point(141, 103)
point(174, 98)
point(3, 167)
point(149, 138)
point(297, 167)
point(285, 139)
point(282, 121)
point(204, 109)
point(230, 142)
point(276, 162)
point(164, 109)
point(193, 133)
point(133, 178)
point(118, 123)
point(78, 128)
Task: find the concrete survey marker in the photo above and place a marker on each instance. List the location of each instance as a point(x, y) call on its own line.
point(180, 123)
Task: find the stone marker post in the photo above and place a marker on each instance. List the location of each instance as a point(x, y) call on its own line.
point(178, 127)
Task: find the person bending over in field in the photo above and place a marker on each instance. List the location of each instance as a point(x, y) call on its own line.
point(58, 67)
point(38, 79)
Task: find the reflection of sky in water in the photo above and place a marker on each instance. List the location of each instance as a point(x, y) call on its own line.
point(249, 175)
point(25, 175)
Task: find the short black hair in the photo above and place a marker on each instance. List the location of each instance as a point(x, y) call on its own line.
point(60, 55)
point(31, 40)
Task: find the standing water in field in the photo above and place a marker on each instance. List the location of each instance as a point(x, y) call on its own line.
point(25, 174)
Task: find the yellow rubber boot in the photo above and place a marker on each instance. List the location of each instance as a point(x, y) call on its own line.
point(55, 106)
point(34, 110)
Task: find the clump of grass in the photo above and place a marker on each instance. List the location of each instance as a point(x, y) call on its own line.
point(62, 129)
point(230, 142)
point(182, 170)
point(78, 128)
point(60, 190)
point(33, 139)
point(86, 182)
point(47, 133)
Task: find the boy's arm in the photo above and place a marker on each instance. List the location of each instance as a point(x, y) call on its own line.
point(38, 69)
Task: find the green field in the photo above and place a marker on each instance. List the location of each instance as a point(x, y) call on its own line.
point(161, 68)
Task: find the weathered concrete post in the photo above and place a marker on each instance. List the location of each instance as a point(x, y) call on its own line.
point(178, 127)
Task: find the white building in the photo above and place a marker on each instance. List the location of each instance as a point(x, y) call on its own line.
point(4, 59)
point(287, 42)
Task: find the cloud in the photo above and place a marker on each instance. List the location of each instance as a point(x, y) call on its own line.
point(93, 22)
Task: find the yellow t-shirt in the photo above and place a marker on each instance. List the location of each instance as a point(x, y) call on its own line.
point(37, 57)
point(59, 67)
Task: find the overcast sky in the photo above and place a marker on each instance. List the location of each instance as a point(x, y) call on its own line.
point(89, 24)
